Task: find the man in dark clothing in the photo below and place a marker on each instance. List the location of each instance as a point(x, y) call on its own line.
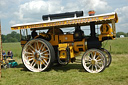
point(10, 54)
point(34, 33)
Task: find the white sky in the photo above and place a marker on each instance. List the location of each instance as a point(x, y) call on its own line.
point(26, 11)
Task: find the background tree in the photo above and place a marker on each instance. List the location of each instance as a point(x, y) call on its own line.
point(121, 33)
point(12, 37)
point(3, 37)
point(127, 34)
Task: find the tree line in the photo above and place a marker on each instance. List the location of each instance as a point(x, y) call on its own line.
point(11, 37)
point(121, 33)
point(15, 37)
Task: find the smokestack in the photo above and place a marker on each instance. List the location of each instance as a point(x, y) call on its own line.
point(92, 24)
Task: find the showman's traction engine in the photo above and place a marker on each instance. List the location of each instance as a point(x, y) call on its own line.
point(46, 43)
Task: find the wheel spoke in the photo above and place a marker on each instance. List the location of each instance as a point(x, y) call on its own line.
point(43, 48)
point(40, 65)
point(90, 57)
point(87, 60)
point(92, 67)
point(89, 66)
point(32, 62)
point(40, 47)
point(31, 50)
point(44, 57)
point(44, 52)
point(37, 45)
point(28, 53)
point(45, 61)
point(99, 60)
point(30, 59)
point(100, 63)
point(94, 56)
point(30, 56)
point(96, 67)
point(31, 47)
point(97, 57)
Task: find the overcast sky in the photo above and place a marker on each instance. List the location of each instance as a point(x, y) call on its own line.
point(26, 11)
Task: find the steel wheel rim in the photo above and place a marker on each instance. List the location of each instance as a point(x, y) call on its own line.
point(93, 61)
point(108, 56)
point(36, 55)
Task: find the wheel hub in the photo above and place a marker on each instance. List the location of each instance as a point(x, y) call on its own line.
point(93, 62)
point(37, 55)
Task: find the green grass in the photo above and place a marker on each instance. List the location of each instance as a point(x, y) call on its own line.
point(14, 47)
point(72, 74)
point(118, 46)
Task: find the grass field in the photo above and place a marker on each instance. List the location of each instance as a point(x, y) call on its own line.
point(72, 74)
point(118, 46)
point(14, 47)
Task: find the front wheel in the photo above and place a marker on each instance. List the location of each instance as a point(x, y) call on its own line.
point(38, 55)
point(94, 61)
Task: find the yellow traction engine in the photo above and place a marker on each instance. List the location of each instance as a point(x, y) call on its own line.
point(51, 44)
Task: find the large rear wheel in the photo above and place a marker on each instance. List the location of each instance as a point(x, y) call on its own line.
point(94, 61)
point(38, 55)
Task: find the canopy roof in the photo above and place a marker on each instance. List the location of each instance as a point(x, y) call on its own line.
point(69, 22)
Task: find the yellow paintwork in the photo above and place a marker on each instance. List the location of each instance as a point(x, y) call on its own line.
point(105, 32)
point(62, 51)
point(66, 38)
point(58, 38)
point(63, 54)
point(54, 40)
point(99, 19)
point(72, 55)
point(80, 45)
point(23, 42)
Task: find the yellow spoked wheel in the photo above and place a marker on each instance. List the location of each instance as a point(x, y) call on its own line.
point(38, 55)
point(94, 61)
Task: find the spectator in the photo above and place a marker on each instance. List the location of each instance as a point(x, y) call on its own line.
point(4, 54)
point(10, 54)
